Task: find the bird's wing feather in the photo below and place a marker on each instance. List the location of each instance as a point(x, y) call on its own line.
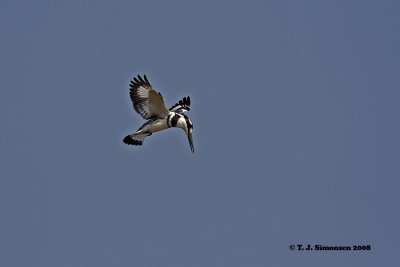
point(146, 101)
point(182, 106)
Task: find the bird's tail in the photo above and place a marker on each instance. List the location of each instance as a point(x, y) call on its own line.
point(134, 139)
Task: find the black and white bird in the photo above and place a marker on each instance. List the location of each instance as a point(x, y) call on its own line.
point(150, 105)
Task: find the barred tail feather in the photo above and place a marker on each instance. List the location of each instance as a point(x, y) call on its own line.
point(135, 140)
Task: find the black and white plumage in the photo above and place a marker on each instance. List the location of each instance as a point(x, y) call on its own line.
point(150, 105)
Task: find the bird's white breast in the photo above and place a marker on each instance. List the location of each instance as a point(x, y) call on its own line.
point(159, 125)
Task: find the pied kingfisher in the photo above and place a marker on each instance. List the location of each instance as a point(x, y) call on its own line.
point(150, 105)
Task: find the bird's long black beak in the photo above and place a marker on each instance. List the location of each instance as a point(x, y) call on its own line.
point(190, 141)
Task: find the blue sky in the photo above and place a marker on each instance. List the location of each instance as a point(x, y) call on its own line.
point(295, 106)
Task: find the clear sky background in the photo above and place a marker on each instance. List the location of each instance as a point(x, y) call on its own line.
point(296, 111)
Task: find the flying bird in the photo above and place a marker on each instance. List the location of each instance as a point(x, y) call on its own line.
point(150, 105)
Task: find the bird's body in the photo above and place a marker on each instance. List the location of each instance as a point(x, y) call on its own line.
point(153, 126)
point(150, 105)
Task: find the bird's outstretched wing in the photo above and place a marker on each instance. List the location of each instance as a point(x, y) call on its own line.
point(182, 106)
point(146, 101)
